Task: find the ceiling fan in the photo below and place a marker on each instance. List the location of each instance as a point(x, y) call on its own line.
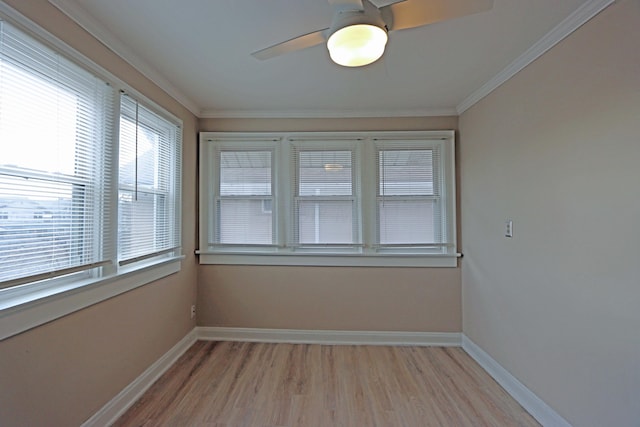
point(359, 29)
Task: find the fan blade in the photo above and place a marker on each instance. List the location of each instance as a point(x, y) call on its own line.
point(298, 43)
point(416, 13)
point(382, 3)
point(340, 5)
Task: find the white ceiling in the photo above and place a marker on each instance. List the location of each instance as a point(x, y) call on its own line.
point(199, 51)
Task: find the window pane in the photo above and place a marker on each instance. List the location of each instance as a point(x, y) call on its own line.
point(142, 226)
point(325, 222)
point(325, 173)
point(406, 221)
point(408, 197)
point(406, 172)
point(245, 173)
point(50, 143)
point(245, 221)
point(140, 156)
point(41, 228)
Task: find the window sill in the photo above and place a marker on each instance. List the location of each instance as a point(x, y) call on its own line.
point(321, 260)
point(31, 306)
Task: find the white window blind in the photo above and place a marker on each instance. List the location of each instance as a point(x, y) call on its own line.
point(244, 197)
point(324, 208)
point(55, 124)
point(149, 183)
point(410, 209)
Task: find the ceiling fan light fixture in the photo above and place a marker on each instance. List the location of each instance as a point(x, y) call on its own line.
point(357, 45)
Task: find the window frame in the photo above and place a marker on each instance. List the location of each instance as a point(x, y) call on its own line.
point(298, 144)
point(440, 196)
point(29, 305)
point(285, 252)
point(209, 223)
point(170, 189)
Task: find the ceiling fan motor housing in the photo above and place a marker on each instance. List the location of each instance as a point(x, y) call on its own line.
point(368, 15)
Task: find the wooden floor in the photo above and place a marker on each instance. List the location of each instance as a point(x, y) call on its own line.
point(254, 384)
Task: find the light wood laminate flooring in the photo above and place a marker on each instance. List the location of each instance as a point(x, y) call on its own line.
point(225, 384)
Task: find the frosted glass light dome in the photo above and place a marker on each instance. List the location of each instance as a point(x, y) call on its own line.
point(357, 45)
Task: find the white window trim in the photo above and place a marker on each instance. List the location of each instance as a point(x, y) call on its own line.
point(31, 305)
point(368, 257)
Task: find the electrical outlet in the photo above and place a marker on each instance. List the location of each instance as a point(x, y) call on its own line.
point(193, 311)
point(508, 229)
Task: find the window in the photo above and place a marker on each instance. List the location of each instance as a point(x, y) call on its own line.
point(324, 198)
point(149, 183)
point(409, 208)
point(243, 199)
point(343, 198)
point(84, 198)
point(55, 168)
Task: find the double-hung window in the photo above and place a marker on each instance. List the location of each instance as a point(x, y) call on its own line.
point(89, 183)
point(243, 196)
point(149, 184)
point(325, 203)
point(55, 168)
point(340, 198)
point(409, 202)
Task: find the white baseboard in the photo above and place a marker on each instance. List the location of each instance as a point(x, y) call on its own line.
point(297, 336)
point(117, 406)
point(542, 412)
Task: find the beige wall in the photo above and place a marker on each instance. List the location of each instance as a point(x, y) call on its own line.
point(375, 299)
point(557, 149)
point(61, 373)
point(370, 299)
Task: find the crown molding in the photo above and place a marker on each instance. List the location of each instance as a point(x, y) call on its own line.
point(100, 32)
point(574, 21)
point(323, 114)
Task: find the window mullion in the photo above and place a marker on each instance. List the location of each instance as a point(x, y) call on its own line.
point(286, 192)
point(209, 179)
point(368, 179)
point(111, 214)
point(356, 168)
